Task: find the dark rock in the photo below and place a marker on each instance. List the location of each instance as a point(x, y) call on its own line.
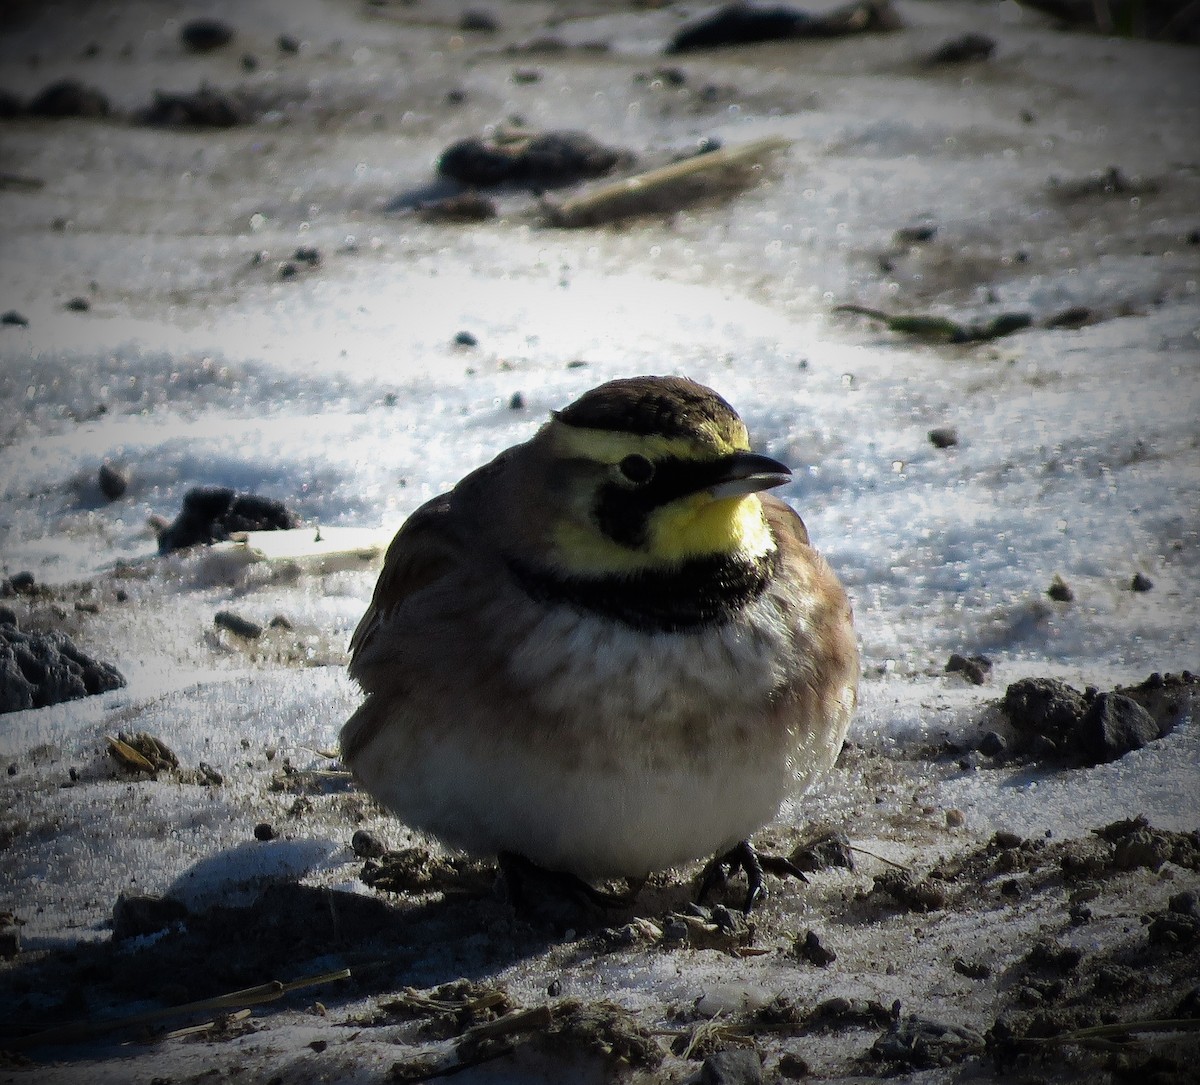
point(1168, 698)
point(744, 24)
point(973, 970)
point(136, 914)
point(211, 514)
point(474, 19)
point(22, 583)
point(1060, 591)
point(308, 254)
point(917, 895)
point(943, 437)
point(740, 24)
point(264, 831)
point(1156, 20)
point(10, 937)
point(1043, 707)
point(974, 668)
point(1140, 582)
point(1114, 725)
point(675, 930)
point(8, 616)
point(79, 305)
point(203, 108)
point(237, 625)
point(113, 481)
point(14, 319)
point(366, 845)
point(916, 1043)
point(465, 339)
point(287, 44)
point(40, 669)
point(993, 744)
point(1174, 930)
point(69, 98)
point(10, 105)
point(915, 235)
point(811, 949)
point(1183, 903)
point(205, 35)
point(736, 1066)
point(970, 46)
point(1074, 316)
point(543, 160)
point(793, 1066)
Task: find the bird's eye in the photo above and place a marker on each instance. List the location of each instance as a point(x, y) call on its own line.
point(637, 469)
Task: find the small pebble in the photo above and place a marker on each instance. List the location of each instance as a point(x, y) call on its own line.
point(811, 949)
point(993, 744)
point(113, 481)
point(79, 305)
point(1060, 590)
point(974, 668)
point(204, 35)
point(1141, 582)
point(264, 831)
point(23, 583)
point(943, 437)
point(516, 402)
point(973, 970)
point(737, 1066)
point(465, 339)
point(793, 1067)
point(915, 235)
point(366, 845)
point(237, 625)
point(675, 930)
point(481, 21)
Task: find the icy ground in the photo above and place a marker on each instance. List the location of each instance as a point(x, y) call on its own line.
point(341, 391)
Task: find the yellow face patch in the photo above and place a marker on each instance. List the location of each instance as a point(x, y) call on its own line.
point(693, 527)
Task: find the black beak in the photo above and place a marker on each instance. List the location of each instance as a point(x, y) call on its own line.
point(746, 473)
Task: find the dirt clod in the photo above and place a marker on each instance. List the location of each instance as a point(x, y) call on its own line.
point(735, 1066)
point(212, 514)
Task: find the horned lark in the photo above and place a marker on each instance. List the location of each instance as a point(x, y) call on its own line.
point(606, 653)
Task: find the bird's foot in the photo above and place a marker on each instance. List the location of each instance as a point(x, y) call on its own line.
point(522, 876)
point(744, 857)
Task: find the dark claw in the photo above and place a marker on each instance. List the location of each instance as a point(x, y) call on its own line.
point(744, 857)
point(520, 874)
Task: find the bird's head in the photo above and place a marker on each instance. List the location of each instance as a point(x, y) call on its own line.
point(649, 472)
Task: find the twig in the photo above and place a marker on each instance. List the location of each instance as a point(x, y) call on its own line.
point(659, 187)
point(234, 1000)
point(206, 1026)
point(1118, 1030)
point(881, 858)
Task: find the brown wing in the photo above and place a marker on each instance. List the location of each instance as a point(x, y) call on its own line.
point(821, 608)
point(423, 551)
point(785, 522)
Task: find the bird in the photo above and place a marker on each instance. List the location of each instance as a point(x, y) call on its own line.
point(607, 653)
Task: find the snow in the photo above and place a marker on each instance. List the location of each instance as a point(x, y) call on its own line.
point(344, 395)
